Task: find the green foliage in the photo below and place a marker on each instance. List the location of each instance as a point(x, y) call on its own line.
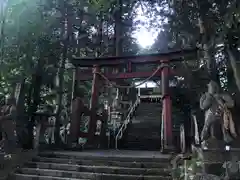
point(34, 30)
point(33, 33)
point(189, 168)
point(101, 5)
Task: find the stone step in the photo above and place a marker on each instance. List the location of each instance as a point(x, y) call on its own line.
point(142, 147)
point(150, 104)
point(131, 147)
point(146, 137)
point(96, 165)
point(120, 158)
point(146, 108)
point(143, 139)
point(149, 110)
point(88, 175)
point(150, 127)
point(144, 132)
point(142, 142)
point(148, 140)
point(109, 162)
point(153, 105)
point(153, 111)
point(147, 119)
point(99, 169)
point(146, 125)
point(37, 177)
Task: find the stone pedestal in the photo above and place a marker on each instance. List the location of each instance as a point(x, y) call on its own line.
point(219, 161)
point(168, 149)
point(236, 143)
point(214, 151)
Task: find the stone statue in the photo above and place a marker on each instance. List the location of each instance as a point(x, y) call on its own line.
point(77, 112)
point(217, 115)
point(115, 103)
point(51, 129)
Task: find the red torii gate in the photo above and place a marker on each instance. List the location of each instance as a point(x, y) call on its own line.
point(161, 58)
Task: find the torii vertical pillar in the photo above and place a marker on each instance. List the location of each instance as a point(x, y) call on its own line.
point(76, 111)
point(94, 102)
point(74, 83)
point(167, 138)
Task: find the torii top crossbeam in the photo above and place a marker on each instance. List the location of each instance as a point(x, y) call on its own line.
point(135, 59)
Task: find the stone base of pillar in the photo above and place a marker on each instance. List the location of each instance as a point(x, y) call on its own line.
point(168, 149)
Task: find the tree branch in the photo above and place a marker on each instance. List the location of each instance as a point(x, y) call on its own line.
point(234, 67)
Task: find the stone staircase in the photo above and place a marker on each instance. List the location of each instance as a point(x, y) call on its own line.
point(96, 165)
point(144, 131)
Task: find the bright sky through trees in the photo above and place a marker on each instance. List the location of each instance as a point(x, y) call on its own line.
point(146, 33)
point(145, 36)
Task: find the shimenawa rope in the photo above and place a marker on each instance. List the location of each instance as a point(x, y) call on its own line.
point(131, 86)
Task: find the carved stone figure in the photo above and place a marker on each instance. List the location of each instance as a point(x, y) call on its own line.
point(51, 129)
point(77, 111)
point(40, 129)
point(115, 104)
point(45, 127)
point(98, 127)
point(217, 115)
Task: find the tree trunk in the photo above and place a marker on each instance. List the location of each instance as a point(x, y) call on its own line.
point(206, 29)
point(207, 54)
point(118, 29)
point(60, 75)
point(3, 15)
point(35, 95)
point(232, 54)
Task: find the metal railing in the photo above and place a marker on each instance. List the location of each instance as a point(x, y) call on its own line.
point(123, 127)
